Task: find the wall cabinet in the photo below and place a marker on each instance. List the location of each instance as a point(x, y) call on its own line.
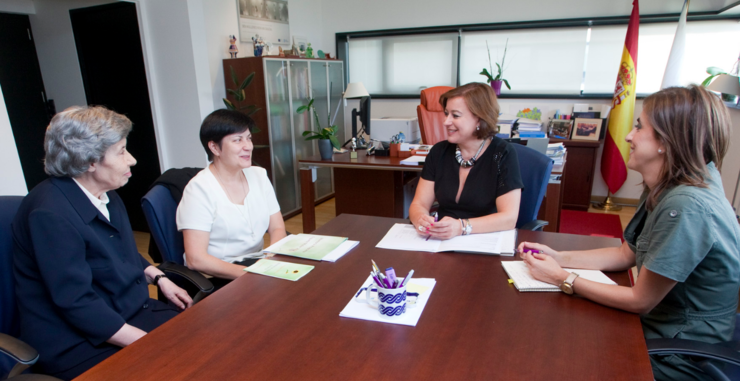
point(578, 177)
point(280, 86)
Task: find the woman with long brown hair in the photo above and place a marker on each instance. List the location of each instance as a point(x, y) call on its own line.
point(473, 174)
point(684, 238)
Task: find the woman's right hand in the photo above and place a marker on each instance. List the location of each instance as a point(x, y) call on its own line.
point(423, 225)
point(527, 246)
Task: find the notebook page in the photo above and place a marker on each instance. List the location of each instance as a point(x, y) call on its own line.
point(405, 237)
point(519, 273)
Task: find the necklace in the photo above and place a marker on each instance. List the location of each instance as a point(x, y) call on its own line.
point(218, 177)
point(471, 162)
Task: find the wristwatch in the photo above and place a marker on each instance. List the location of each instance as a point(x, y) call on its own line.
point(468, 227)
point(156, 279)
point(567, 285)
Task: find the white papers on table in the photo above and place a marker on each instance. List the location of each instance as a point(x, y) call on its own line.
point(413, 160)
point(357, 308)
point(339, 252)
point(524, 282)
point(332, 256)
point(405, 237)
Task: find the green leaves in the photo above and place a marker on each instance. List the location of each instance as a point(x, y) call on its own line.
point(507, 84)
point(228, 104)
point(321, 133)
point(499, 72)
point(500, 67)
point(246, 81)
point(487, 74)
point(233, 76)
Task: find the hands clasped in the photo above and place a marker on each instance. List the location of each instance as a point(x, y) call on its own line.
point(445, 228)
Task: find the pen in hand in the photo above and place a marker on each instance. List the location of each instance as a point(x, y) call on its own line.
point(435, 220)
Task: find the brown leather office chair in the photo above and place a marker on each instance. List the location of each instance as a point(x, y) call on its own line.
point(431, 115)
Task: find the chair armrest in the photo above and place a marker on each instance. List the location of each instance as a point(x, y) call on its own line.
point(197, 279)
point(717, 352)
point(18, 350)
point(534, 225)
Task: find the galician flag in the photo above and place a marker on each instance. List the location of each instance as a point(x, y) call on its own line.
point(674, 75)
point(616, 149)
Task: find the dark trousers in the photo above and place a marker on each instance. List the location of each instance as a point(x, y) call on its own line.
point(155, 314)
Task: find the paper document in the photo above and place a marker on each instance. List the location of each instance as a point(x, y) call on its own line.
point(405, 237)
point(413, 160)
point(309, 246)
point(339, 252)
point(523, 280)
point(357, 308)
point(277, 269)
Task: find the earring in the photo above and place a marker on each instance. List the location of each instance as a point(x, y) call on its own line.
point(478, 128)
point(660, 151)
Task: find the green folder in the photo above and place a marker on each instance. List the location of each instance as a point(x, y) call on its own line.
point(308, 246)
point(277, 269)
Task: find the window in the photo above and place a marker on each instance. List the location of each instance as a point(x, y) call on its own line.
point(403, 65)
point(566, 58)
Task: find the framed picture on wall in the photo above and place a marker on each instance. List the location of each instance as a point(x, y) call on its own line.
point(586, 129)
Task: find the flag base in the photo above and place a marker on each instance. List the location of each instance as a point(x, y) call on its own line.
point(608, 205)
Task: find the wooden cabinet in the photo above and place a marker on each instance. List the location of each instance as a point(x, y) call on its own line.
point(578, 178)
point(279, 87)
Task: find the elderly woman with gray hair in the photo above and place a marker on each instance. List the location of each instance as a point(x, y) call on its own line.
point(81, 283)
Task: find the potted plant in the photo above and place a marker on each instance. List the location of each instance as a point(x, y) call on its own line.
point(240, 96)
point(721, 75)
point(326, 136)
point(496, 81)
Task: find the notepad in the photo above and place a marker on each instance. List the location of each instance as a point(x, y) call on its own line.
point(524, 282)
point(277, 269)
point(308, 246)
point(413, 160)
point(405, 237)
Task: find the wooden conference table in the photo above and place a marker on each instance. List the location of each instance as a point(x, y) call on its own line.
point(374, 186)
point(475, 325)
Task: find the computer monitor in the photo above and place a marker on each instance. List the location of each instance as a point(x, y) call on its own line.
point(364, 115)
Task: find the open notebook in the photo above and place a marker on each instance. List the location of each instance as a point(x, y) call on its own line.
point(405, 237)
point(523, 281)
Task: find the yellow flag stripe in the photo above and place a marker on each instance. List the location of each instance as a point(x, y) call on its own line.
point(622, 114)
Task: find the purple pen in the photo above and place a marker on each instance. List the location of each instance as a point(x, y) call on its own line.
point(390, 274)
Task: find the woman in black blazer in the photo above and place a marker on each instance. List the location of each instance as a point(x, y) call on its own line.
point(80, 281)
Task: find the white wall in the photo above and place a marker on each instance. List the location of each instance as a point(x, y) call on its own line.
point(13, 182)
point(25, 7)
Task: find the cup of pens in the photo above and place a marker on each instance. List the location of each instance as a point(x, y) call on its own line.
point(391, 299)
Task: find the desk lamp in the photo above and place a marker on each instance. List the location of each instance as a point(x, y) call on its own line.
point(727, 84)
point(357, 90)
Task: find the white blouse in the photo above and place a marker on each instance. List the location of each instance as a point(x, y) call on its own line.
point(236, 231)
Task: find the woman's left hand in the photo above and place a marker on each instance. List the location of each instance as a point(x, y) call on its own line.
point(446, 228)
point(175, 294)
point(544, 268)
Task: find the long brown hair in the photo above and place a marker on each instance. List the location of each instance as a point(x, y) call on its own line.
point(481, 101)
point(694, 127)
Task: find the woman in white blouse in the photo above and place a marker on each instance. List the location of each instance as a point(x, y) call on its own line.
point(227, 208)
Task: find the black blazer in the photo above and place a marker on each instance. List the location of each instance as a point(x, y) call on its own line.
point(78, 277)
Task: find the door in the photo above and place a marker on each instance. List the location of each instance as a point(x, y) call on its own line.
point(24, 94)
point(281, 135)
point(113, 73)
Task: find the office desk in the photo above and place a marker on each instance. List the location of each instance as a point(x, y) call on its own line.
point(373, 186)
point(476, 326)
point(368, 185)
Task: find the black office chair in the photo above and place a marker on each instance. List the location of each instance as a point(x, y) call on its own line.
point(160, 210)
point(535, 170)
point(721, 361)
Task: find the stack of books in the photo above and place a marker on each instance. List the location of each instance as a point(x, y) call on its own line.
point(505, 124)
point(529, 128)
point(556, 152)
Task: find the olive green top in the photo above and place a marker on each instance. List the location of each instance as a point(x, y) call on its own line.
point(692, 237)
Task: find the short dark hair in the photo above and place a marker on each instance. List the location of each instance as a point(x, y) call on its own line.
point(222, 123)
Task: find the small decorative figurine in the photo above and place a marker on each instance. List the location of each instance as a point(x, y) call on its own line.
point(281, 53)
point(320, 54)
point(258, 44)
point(309, 51)
point(233, 49)
point(353, 154)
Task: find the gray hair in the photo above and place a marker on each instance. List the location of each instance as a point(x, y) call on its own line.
point(79, 136)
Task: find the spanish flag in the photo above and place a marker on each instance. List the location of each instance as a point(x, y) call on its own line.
point(616, 149)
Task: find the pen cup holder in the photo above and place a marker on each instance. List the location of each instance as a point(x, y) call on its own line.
point(391, 303)
point(395, 148)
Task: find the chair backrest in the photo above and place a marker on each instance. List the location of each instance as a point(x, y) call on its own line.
point(431, 115)
point(160, 210)
point(535, 169)
point(9, 316)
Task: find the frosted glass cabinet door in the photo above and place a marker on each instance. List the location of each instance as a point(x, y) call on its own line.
point(281, 136)
point(320, 93)
point(300, 96)
point(336, 74)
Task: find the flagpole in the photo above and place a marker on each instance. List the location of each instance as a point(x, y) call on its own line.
point(608, 205)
